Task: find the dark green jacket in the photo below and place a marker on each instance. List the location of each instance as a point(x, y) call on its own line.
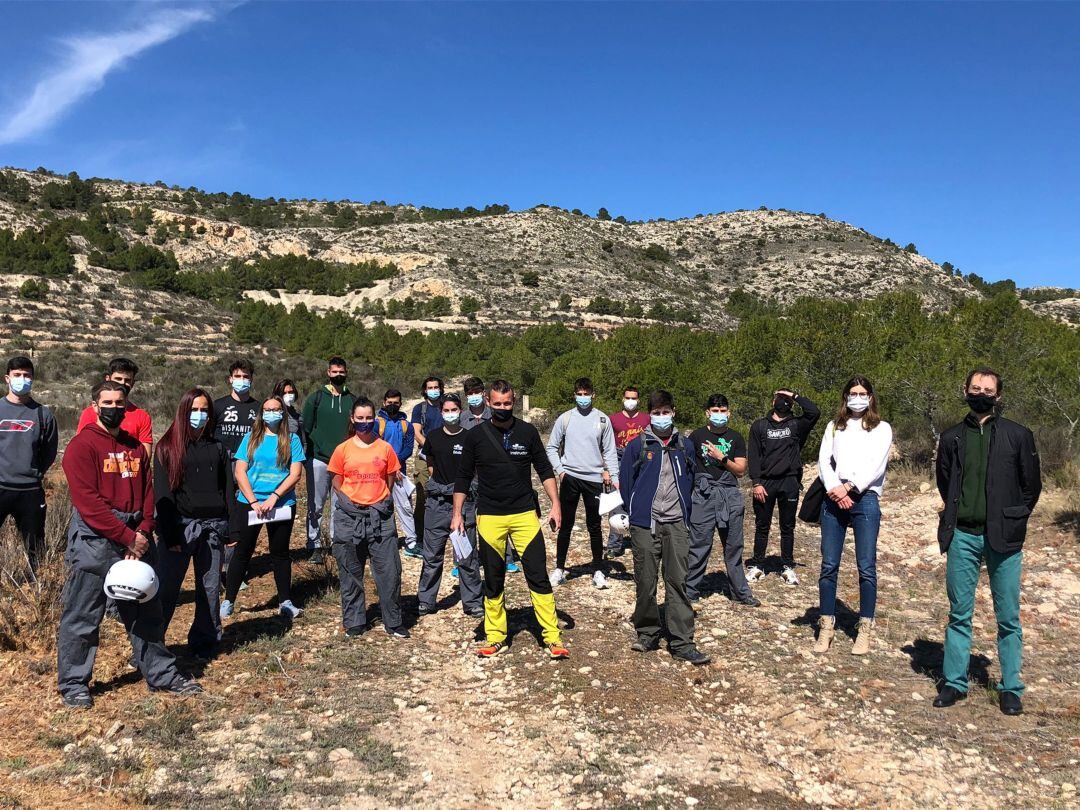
point(326, 417)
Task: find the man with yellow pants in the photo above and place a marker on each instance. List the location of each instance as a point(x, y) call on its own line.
point(501, 454)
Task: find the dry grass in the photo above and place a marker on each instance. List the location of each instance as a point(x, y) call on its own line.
point(30, 606)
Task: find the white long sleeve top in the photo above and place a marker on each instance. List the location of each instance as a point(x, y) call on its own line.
point(861, 455)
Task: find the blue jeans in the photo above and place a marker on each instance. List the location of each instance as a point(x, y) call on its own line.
point(864, 518)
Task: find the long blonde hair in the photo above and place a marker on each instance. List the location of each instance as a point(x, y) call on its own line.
point(284, 438)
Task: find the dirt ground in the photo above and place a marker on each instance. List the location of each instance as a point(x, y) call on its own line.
point(301, 716)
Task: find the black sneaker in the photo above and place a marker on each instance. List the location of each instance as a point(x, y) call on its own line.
point(643, 645)
point(397, 632)
point(424, 610)
point(356, 632)
point(78, 700)
point(748, 601)
point(948, 696)
point(478, 613)
point(181, 687)
point(1010, 704)
point(693, 656)
point(318, 557)
point(612, 553)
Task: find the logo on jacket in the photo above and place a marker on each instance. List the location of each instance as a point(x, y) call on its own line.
point(16, 425)
point(779, 433)
point(122, 463)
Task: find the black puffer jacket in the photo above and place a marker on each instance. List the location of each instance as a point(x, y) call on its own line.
point(1013, 483)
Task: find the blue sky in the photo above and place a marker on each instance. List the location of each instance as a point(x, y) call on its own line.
point(954, 126)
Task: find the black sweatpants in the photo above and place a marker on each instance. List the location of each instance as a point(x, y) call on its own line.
point(782, 492)
point(27, 508)
point(277, 536)
point(571, 490)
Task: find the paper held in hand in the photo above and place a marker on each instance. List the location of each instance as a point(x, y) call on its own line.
point(275, 515)
point(461, 544)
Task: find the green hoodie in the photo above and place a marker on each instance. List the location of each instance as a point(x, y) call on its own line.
point(971, 514)
point(326, 418)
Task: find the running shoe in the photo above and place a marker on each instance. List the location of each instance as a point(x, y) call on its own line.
point(491, 650)
point(599, 581)
point(512, 568)
point(754, 573)
point(289, 610)
point(558, 576)
point(789, 576)
point(558, 651)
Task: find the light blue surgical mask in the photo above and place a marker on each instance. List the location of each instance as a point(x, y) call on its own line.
point(583, 401)
point(718, 419)
point(198, 418)
point(662, 422)
point(241, 384)
point(434, 393)
point(475, 400)
point(271, 417)
point(21, 385)
point(451, 417)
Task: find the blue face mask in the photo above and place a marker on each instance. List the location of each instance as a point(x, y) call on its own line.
point(363, 428)
point(433, 394)
point(271, 417)
point(198, 418)
point(718, 419)
point(475, 400)
point(240, 384)
point(583, 401)
point(21, 385)
point(663, 422)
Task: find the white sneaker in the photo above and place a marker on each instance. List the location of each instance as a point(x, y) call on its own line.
point(558, 576)
point(289, 610)
point(599, 580)
point(789, 576)
point(754, 574)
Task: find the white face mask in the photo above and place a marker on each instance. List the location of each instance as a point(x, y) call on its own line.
point(857, 403)
point(629, 404)
point(289, 399)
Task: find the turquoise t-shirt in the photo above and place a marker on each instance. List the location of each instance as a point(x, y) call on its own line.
point(263, 471)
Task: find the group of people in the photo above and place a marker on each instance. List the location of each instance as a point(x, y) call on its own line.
point(227, 467)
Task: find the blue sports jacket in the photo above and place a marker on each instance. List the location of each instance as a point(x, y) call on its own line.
point(639, 474)
point(398, 433)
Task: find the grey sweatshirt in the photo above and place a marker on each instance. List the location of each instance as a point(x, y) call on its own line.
point(28, 441)
point(583, 445)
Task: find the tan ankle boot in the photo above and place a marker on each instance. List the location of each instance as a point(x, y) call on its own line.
point(862, 641)
point(826, 631)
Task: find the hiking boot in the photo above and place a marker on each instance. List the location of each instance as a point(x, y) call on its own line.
point(425, 610)
point(748, 601)
point(947, 697)
point(825, 633)
point(181, 687)
point(78, 700)
point(557, 650)
point(789, 576)
point(612, 553)
point(643, 645)
point(862, 641)
point(693, 656)
point(754, 573)
point(1010, 704)
point(491, 650)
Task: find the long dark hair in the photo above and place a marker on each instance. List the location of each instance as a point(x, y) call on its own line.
point(361, 402)
point(174, 444)
point(871, 417)
point(284, 438)
point(281, 385)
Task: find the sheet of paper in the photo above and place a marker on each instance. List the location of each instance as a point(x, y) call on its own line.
point(409, 486)
point(276, 515)
point(462, 545)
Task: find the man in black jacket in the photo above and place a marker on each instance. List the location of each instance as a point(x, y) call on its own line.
point(988, 477)
point(774, 453)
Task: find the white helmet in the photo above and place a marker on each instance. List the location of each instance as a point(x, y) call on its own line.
point(619, 522)
point(131, 581)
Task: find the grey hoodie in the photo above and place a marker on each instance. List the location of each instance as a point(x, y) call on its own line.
point(583, 445)
point(28, 441)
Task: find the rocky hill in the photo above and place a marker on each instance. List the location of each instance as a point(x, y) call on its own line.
point(498, 268)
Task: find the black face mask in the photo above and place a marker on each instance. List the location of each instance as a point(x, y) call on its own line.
point(111, 417)
point(782, 406)
point(392, 409)
point(338, 380)
point(502, 415)
point(980, 403)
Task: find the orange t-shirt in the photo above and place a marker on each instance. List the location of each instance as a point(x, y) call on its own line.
point(364, 469)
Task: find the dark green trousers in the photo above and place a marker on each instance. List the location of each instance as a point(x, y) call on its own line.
point(667, 545)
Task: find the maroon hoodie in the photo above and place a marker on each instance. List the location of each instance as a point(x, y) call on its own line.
point(107, 472)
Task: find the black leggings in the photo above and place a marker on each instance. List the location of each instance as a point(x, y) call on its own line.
point(277, 537)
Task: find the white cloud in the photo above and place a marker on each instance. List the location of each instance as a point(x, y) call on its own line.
point(88, 60)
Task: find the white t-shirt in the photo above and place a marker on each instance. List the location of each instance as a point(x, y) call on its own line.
point(861, 455)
